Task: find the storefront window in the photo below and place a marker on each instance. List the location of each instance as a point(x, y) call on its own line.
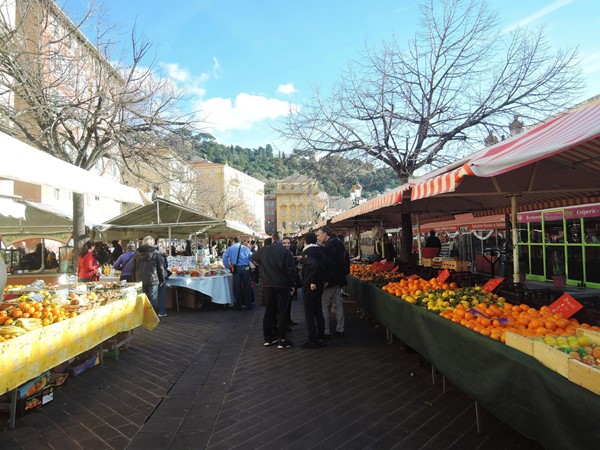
point(523, 233)
point(575, 262)
point(592, 264)
point(554, 228)
point(592, 230)
point(574, 231)
point(537, 260)
point(536, 231)
point(555, 261)
point(523, 259)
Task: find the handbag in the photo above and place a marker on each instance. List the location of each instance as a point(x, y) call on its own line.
point(233, 267)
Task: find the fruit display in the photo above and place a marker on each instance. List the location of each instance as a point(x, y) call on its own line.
point(582, 348)
point(376, 273)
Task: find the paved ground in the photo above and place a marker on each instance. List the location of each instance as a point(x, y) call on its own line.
point(202, 379)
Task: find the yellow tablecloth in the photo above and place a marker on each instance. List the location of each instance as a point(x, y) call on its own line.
point(31, 354)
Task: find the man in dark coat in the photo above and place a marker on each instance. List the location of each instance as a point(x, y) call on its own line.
point(278, 276)
point(335, 280)
point(148, 268)
point(313, 263)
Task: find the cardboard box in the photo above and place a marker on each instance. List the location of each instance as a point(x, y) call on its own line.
point(33, 402)
point(83, 363)
point(34, 386)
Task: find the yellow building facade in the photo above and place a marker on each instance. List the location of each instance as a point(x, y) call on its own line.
point(300, 203)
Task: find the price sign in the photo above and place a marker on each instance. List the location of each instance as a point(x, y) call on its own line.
point(492, 284)
point(443, 275)
point(565, 305)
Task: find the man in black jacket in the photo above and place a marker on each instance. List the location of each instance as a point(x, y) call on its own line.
point(278, 276)
point(335, 280)
point(148, 268)
point(313, 263)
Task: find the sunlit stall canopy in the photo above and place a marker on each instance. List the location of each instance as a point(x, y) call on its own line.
point(164, 219)
point(22, 162)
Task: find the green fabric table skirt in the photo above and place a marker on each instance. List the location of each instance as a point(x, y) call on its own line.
point(516, 388)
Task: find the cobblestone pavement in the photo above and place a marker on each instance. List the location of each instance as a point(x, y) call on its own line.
point(203, 379)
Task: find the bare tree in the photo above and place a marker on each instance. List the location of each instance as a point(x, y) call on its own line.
point(456, 82)
point(75, 100)
point(223, 202)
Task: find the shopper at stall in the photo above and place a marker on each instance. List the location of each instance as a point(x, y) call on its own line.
point(332, 293)
point(287, 242)
point(117, 251)
point(87, 266)
point(278, 275)
point(237, 258)
point(433, 240)
point(124, 263)
point(313, 264)
point(148, 268)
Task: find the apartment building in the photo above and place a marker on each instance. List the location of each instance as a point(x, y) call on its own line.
point(227, 193)
point(300, 203)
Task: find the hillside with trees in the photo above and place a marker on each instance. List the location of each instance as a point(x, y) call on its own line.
point(335, 174)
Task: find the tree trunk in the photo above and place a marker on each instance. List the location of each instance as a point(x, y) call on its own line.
point(79, 236)
point(407, 239)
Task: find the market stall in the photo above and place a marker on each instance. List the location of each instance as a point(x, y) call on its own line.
point(534, 400)
point(217, 287)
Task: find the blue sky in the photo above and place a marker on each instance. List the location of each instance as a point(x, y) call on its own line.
point(244, 62)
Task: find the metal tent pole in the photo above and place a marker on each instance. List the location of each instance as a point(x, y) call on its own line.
point(515, 238)
point(419, 239)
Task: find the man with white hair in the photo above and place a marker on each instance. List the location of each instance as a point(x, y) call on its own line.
point(148, 268)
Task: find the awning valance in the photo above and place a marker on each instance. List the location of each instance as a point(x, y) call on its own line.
point(384, 200)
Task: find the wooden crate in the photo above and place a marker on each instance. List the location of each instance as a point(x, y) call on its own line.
point(585, 376)
point(552, 358)
point(593, 335)
point(519, 342)
point(426, 262)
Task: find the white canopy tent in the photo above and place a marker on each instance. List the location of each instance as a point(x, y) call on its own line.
point(22, 162)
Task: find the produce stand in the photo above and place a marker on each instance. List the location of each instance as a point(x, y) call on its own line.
point(218, 287)
point(538, 402)
point(37, 351)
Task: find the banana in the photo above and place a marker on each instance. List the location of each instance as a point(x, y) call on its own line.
point(29, 324)
point(8, 330)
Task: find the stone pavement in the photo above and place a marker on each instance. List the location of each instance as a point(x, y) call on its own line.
point(202, 379)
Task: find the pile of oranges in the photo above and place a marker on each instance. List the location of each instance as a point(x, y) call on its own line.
point(48, 312)
point(373, 273)
point(495, 320)
point(413, 287)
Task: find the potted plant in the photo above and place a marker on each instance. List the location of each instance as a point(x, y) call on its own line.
point(558, 271)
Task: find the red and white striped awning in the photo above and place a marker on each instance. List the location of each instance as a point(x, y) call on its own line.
point(384, 200)
point(571, 141)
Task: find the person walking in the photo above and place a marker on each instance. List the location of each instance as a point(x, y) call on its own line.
point(124, 263)
point(148, 268)
point(278, 276)
point(336, 279)
point(237, 258)
point(313, 262)
point(162, 289)
point(87, 266)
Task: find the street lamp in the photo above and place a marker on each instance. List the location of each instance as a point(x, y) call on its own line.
point(355, 193)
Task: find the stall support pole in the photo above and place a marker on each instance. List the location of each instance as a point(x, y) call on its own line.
point(419, 239)
point(169, 253)
point(515, 238)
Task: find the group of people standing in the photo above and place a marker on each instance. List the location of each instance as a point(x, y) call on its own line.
point(146, 264)
point(323, 264)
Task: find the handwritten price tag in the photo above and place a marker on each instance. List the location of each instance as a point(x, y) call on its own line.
point(443, 275)
point(492, 284)
point(565, 305)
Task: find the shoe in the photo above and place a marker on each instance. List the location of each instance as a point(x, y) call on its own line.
point(291, 323)
point(160, 316)
point(339, 333)
point(270, 341)
point(284, 343)
point(321, 344)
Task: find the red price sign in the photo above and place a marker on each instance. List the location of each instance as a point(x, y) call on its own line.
point(443, 275)
point(492, 284)
point(565, 305)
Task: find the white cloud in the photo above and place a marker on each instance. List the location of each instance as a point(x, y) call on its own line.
point(286, 88)
point(185, 80)
point(537, 15)
point(247, 109)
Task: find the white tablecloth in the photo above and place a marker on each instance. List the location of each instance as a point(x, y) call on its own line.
point(218, 287)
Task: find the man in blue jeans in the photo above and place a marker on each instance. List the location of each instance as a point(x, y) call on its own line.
point(148, 268)
point(238, 256)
